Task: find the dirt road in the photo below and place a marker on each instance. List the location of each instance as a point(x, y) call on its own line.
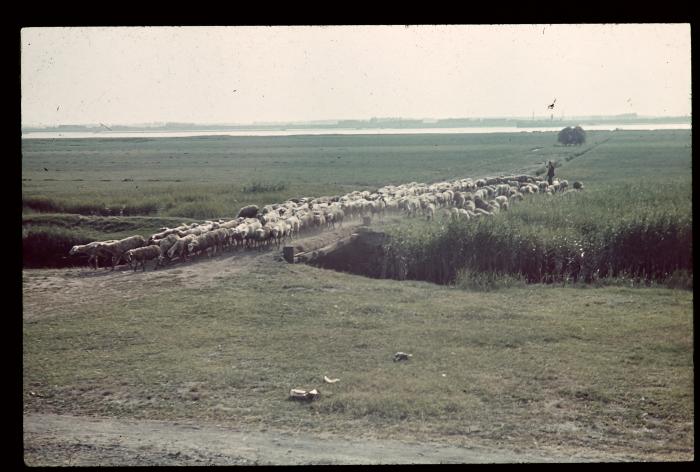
point(51, 440)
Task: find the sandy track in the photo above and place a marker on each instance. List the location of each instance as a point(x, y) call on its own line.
point(87, 441)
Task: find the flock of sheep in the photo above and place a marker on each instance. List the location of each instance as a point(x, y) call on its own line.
point(273, 224)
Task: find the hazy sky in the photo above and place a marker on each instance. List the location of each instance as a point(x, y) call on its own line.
point(248, 74)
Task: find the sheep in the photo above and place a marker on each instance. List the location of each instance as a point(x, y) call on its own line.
point(578, 185)
point(143, 254)
point(502, 199)
point(528, 188)
point(480, 203)
point(179, 249)
point(319, 219)
point(164, 233)
point(238, 236)
point(232, 223)
point(480, 211)
point(278, 231)
point(269, 217)
point(377, 207)
point(196, 231)
point(221, 236)
point(502, 189)
point(249, 211)
point(430, 211)
point(262, 236)
point(117, 249)
point(202, 243)
point(93, 250)
point(166, 243)
point(306, 219)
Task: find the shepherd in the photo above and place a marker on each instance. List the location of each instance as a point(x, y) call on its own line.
point(550, 172)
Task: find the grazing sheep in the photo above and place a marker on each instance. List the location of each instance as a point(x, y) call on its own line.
point(143, 254)
point(578, 185)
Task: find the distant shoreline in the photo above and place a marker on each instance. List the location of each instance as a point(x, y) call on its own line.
point(340, 131)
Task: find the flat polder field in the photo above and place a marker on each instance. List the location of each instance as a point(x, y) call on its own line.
point(600, 368)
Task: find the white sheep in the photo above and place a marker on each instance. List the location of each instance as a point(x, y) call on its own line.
point(93, 250)
point(179, 249)
point(117, 249)
point(143, 254)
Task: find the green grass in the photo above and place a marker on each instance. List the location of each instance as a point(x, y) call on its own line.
point(552, 365)
point(222, 174)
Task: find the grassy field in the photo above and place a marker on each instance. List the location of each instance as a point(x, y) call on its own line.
point(607, 369)
point(215, 176)
point(532, 366)
point(114, 182)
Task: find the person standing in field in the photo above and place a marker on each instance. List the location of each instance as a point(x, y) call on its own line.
point(550, 172)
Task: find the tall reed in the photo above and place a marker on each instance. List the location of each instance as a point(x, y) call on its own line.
point(641, 230)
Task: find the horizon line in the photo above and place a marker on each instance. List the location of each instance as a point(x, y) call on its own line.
point(428, 120)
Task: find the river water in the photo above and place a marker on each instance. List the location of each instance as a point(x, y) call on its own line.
point(301, 132)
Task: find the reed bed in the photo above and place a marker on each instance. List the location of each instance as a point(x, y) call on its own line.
point(638, 231)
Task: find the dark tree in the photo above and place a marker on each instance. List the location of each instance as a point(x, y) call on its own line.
point(569, 136)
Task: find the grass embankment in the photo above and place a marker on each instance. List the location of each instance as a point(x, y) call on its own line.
point(607, 369)
point(640, 231)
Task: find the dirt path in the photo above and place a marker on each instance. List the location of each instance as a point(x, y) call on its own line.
point(87, 441)
point(43, 288)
